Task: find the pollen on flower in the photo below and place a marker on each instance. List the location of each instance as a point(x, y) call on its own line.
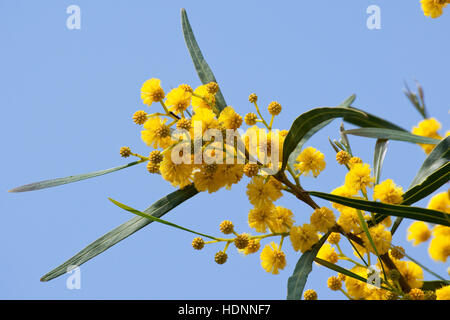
point(155, 157)
point(310, 295)
point(139, 117)
point(322, 219)
point(272, 258)
point(198, 243)
point(241, 241)
point(343, 157)
point(334, 283)
point(310, 160)
point(151, 91)
point(125, 152)
point(250, 118)
point(274, 108)
point(261, 218)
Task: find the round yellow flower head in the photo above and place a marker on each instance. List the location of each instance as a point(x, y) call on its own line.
point(198, 243)
point(230, 119)
point(381, 238)
point(416, 294)
point(155, 156)
point(418, 232)
point(261, 193)
point(272, 258)
point(388, 192)
point(274, 108)
point(206, 118)
point(310, 295)
point(139, 117)
point(250, 119)
point(322, 219)
point(439, 248)
point(440, 202)
point(252, 247)
point(342, 191)
point(443, 293)
point(310, 160)
point(356, 288)
point(151, 91)
point(428, 128)
point(304, 237)
point(411, 272)
point(178, 100)
point(262, 217)
point(220, 257)
point(251, 169)
point(341, 276)
point(177, 174)
point(334, 238)
point(209, 179)
point(433, 8)
point(241, 241)
point(283, 219)
point(184, 124)
point(359, 178)
point(212, 87)
point(334, 283)
point(226, 227)
point(343, 157)
point(207, 99)
point(186, 88)
point(125, 152)
point(349, 221)
point(156, 133)
point(327, 253)
point(397, 253)
point(152, 167)
point(253, 98)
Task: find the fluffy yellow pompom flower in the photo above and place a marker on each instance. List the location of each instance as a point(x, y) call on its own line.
point(283, 219)
point(440, 202)
point(206, 118)
point(202, 91)
point(443, 293)
point(261, 193)
point(342, 191)
point(439, 248)
point(411, 272)
point(358, 178)
point(178, 100)
point(260, 218)
point(151, 91)
point(388, 192)
point(230, 119)
point(322, 219)
point(304, 237)
point(381, 238)
point(310, 160)
point(272, 258)
point(156, 133)
point(327, 253)
point(209, 178)
point(433, 8)
point(177, 174)
point(231, 173)
point(356, 288)
point(418, 232)
point(428, 128)
point(349, 220)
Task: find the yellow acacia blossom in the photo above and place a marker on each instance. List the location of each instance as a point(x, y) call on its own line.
point(204, 117)
point(209, 178)
point(156, 133)
point(439, 248)
point(231, 173)
point(357, 289)
point(327, 253)
point(322, 219)
point(411, 272)
point(381, 239)
point(283, 219)
point(440, 202)
point(443, 293)
point(151, 91)
point(342, 191)
point(349, 220)
point(202, 98)
point(230, 119)
point(433, 8)
point(178, 100)
point(418, 232)
point(310, 160)
point(261, 193)
point(359, 178)
point(272, 258)
point(388, 192)
point(179, 175)
point(304, 237)
point(428, 128)
point(260, 218)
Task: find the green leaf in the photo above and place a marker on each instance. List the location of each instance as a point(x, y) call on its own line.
point(60, 181)
point(370, 121)
point(390, 134)
point(378, 158)
point(434, 172)
point(397, 210)
point(348, 102)
point(433, 285)
point(296, 282)
point(158, 209)
point(152, 218)
point(203, 70)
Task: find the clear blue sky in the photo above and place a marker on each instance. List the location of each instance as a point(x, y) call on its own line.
point(67, 97)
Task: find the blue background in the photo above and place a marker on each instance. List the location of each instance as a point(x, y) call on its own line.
point(67, 97)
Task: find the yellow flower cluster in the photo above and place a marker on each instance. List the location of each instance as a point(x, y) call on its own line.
point(428, 128)
point(433, 8)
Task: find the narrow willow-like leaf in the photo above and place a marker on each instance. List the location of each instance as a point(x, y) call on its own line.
point(152, 218)
point(370, 121)
point(158, 209)
point(60, 181)
point(434, 172)
point(203, 70)
point(433, 285)
point(415, 213)
point(296, 282)
point(348, 102)
point(390, 134)
point(378, 158)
